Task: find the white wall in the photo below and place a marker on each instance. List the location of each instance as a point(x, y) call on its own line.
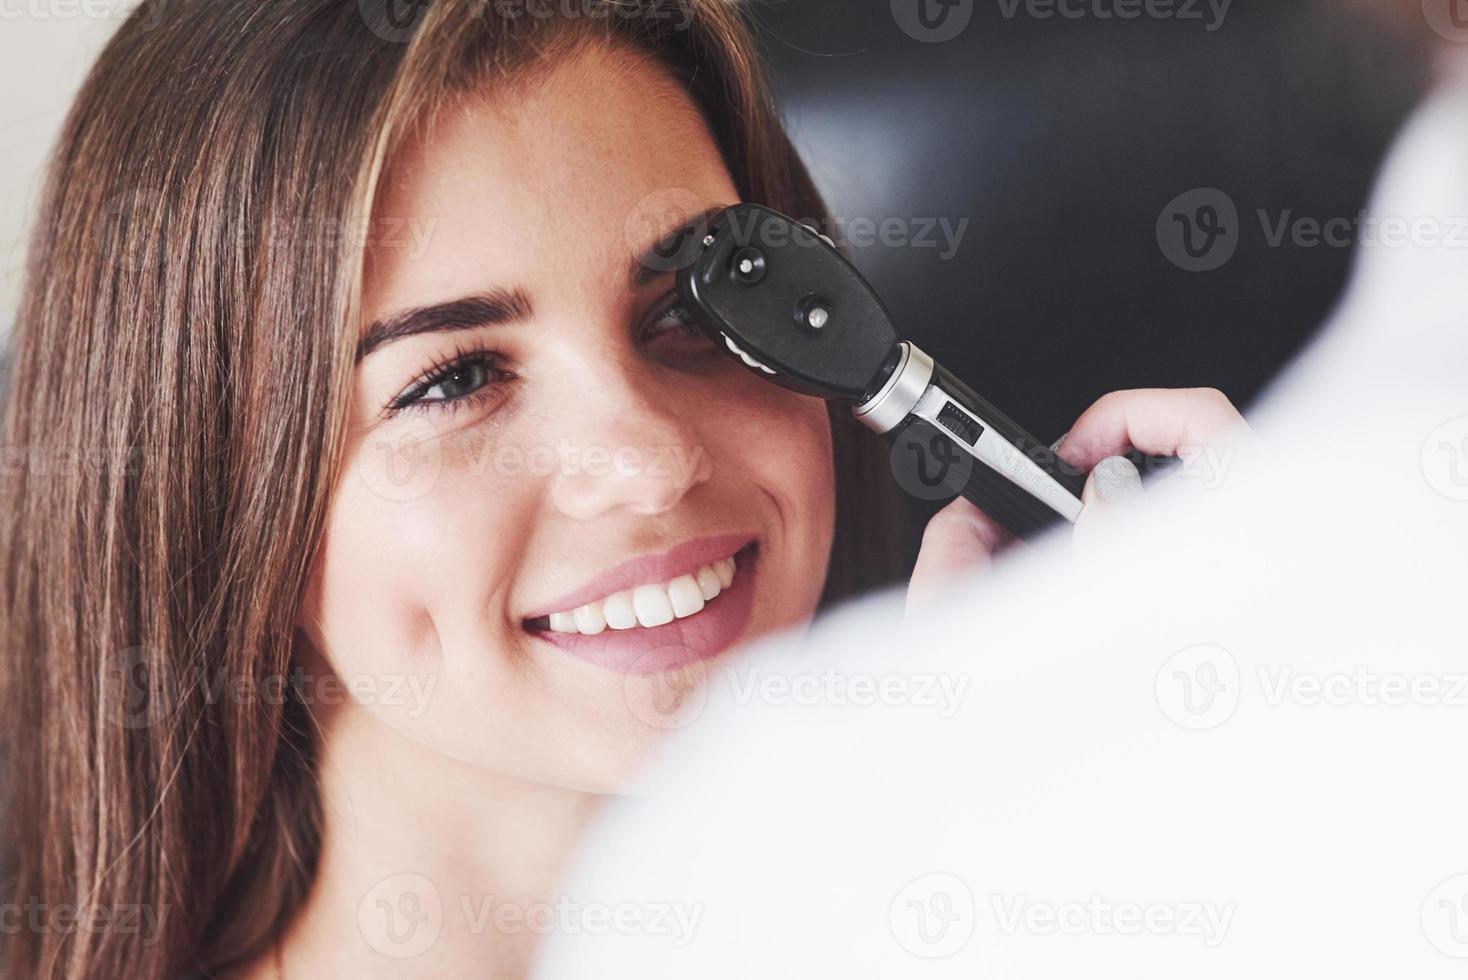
point(46, 48)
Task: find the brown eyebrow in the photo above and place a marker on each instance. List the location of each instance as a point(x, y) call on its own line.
point(654, 260)
point(500, 306)
point(487, 309)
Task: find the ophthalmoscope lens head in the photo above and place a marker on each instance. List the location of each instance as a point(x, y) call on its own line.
point(780, 297)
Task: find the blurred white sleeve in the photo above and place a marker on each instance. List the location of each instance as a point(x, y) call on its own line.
point(1230, 743)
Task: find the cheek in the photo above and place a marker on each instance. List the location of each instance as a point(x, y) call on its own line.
point(782, 441)
point(419, 550)
point(408, 607)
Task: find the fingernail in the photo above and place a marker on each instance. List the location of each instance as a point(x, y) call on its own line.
point(1055, 446)
point(1117, 479)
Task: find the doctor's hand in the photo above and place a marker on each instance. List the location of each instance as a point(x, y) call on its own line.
point(1190, 423)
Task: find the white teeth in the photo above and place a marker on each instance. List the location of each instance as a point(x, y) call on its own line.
point(619, 612)
point(590, 618)
point(708, 582)
point(648, 605)
point(724, 569)
point(685, 596)
point(653, 606)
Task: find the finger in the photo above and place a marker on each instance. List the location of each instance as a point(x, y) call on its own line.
point(959, 540)
point(1158, 421)
point(1114, 485)
point(1114, 480)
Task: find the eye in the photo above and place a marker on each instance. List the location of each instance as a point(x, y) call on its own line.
point(675, 325)
point(461, 379)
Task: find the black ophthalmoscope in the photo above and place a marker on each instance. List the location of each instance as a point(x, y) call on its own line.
point(779, 296)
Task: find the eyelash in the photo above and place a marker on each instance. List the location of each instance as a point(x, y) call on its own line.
point(678, 311)
point(412, 398)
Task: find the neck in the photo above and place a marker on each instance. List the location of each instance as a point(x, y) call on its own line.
point(429, 866)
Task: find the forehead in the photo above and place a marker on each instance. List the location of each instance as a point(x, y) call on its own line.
point(550, 174)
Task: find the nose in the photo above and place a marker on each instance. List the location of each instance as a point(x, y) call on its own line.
point(635, 450)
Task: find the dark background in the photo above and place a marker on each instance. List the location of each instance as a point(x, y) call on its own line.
point(1062, 142)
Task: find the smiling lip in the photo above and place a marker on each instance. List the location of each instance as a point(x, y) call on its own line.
point(648, 650)
point(682, 560)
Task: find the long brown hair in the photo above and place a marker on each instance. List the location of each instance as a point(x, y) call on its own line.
point(174, 431)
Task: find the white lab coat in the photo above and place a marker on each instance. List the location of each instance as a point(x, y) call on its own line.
point(1229, 742)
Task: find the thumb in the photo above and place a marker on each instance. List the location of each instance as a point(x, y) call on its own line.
point(1114, 483)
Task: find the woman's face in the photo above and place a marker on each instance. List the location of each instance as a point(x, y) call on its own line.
point(540, 444)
